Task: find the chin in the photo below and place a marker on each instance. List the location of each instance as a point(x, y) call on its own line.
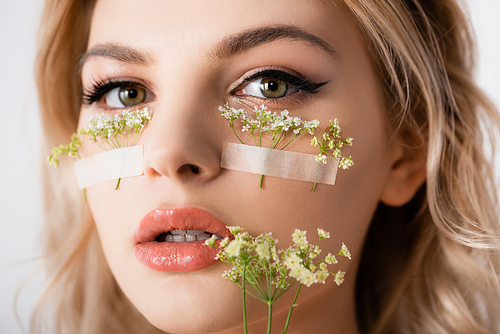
point(191, 303)
point(198, 319)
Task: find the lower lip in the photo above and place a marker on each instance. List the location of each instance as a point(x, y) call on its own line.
point(176, 256)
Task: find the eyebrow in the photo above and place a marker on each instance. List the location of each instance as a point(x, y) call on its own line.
point(228, 47)
point(243, 41)
point(118, 52)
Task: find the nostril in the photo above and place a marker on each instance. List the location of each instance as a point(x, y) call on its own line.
point(189, 169)
point(195, 169)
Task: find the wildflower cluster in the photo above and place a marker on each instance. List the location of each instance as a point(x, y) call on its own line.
point(299, 260)
point(267, 273)
point(71, 150)
point(277, 125)
point(117, 130)
point(331, 145)
point(274, 124)
point(114, 131)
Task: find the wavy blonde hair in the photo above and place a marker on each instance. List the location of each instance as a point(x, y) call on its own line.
point(431, 266)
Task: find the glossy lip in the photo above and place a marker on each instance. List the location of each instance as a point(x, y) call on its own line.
point(173, 256)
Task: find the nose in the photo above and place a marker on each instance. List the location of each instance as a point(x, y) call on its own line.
point(181, 143)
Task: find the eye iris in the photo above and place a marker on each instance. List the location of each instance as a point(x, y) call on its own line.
point(273, 87)
point(130, 96)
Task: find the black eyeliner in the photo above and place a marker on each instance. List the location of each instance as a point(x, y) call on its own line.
point(304, 85)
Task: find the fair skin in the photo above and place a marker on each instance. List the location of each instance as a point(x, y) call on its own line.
point(185, 83)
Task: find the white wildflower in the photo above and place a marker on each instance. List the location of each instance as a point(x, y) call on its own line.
point(299, 238)
point(211, 242)
point(234, 229)
point(330, 259)
point(339, 277)
point(234, 248)
point(322, 275)
point(224, 242)
point(322, 234)
point(321, 158)
point(345, 252)
point(263, 251)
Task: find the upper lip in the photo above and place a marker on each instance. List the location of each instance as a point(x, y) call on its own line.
point(159, 221)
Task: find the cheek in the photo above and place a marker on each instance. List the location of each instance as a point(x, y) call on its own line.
point(106, 205)
point(345, 209)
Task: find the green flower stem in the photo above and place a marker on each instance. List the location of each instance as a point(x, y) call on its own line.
point(314, 187)
point(261, 180)
point(135, 137)
point(100, 146)
point(116, 142)
point(243, 279)
point(269, 316)
point(282, 134)
point(85, 194)
point(234, 131)
point(118, 183)
point(291, 309)
point(290, 141)
point(107, 142)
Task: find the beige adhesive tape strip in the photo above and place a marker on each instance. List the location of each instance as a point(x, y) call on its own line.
point(109, 165)
point(284, 164)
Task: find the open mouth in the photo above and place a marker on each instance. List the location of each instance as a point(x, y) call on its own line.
point(185, 235)
point(174, 239)
point(179, 225)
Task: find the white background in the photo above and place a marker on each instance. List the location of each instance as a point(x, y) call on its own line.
point(20, 194)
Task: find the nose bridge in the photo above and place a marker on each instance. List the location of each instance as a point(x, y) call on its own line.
point(181, 141)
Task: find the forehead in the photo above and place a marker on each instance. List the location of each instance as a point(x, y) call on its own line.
point(188, 27)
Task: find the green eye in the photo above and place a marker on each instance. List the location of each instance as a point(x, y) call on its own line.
point(273, 88)
point(132, 95)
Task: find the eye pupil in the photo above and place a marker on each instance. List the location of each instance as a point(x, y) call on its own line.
point(130, 96)
point(273, 88)
point(273, 85)
point(132, 93)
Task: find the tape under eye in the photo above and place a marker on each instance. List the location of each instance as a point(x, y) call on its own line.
point(278, 163)
point(109, 165)
point(128, 162)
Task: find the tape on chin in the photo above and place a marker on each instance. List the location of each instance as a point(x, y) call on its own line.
point(283, 164)
point(109, 165)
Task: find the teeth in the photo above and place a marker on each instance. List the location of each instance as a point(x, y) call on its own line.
point(195, 232)
point(203, 236)
point(187, 235)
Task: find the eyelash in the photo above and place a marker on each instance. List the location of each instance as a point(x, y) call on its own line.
point(302, 84)
point(100, 89)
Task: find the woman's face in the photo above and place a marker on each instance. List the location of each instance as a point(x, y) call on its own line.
point(178, 52)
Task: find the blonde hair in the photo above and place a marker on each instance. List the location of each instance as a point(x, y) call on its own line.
point(436, 267)
point(82, 294)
